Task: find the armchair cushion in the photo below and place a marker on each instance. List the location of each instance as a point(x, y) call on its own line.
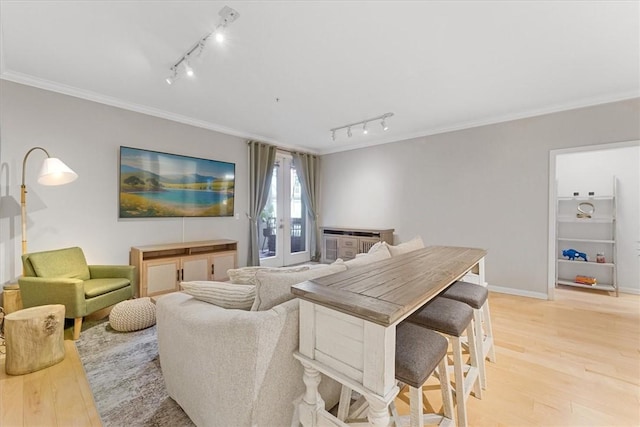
point(69, 263)
point(95, 287)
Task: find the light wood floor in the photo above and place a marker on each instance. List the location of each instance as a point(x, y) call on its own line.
point(570, 362)
point(574, 361)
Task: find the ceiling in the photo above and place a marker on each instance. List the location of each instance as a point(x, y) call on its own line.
point(291, 70)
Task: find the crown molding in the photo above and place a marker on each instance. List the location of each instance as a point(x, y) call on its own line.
point(583, 103)
point(28, 80)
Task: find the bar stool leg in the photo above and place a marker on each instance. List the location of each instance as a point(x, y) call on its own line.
point(488, 345)
point(477, 321)
point(445, 388)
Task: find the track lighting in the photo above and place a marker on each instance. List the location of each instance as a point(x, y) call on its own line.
point(364, 123)
point(227, 16)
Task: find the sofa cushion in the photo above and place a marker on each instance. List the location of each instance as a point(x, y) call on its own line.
point(96, 287)
point(222, 294)
point(247, 275)
point(412, 245)
point(380, 254)
point(273, 288)
point(69, 262)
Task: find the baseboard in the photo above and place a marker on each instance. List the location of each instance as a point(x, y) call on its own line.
point(633, 291)
point(518, 292)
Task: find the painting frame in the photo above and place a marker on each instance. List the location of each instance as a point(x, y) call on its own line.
point(155, 184)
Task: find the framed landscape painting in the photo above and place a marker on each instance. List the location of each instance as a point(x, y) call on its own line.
point(155, 184)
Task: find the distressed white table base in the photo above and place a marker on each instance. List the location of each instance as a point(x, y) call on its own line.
point(311, 410)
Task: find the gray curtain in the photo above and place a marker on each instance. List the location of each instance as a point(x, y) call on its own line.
point(308, 170)
point(261, 159)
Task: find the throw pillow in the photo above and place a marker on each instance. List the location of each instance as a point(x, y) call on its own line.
point(412, 245)
point(273, 288)
point(380, 254)
point(225, 295)
point(247, 275)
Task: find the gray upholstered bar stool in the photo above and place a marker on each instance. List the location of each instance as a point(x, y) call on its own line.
point(452, 318)
point(476, 296)
point(419, 353)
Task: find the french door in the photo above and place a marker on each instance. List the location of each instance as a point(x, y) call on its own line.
point(283, 237)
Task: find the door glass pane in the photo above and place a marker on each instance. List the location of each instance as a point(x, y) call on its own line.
point(267, 223)
point(298, 216)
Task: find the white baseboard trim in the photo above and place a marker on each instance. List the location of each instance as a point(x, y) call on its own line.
point(633, 291)
point(518, 292)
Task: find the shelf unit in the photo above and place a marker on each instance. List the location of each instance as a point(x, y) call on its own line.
point(161, 268)
point(590, 236)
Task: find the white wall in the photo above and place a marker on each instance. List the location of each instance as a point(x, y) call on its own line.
point(594, 171)
point(87, 137)
point(484, 187)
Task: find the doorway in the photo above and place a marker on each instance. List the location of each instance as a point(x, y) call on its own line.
point(596, 166)
point(284, 223)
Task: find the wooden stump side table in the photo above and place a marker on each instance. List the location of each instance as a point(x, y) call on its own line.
point(11, 298)
point(34, 338)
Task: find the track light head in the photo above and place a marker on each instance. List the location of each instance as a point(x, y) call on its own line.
point(365, 131)
point(349, 134)
point(384, 125)
point(173, 77)
point(188, 70)
point(333, 135)
point(219, 36)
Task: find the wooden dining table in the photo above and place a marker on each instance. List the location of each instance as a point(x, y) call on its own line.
point(348, 321)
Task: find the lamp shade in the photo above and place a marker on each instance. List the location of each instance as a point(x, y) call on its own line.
point(55, 172)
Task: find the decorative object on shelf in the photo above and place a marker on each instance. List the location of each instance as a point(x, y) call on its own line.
point(586, 280)
point(227, 15)
point(576, 194)
point(52, 172)
point(591, 193)
point(572, 254)
point(585, 210)
point(600, 259)
point(364, 124)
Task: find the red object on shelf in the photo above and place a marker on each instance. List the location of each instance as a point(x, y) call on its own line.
point(586, 280)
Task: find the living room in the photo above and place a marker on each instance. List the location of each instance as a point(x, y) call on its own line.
point(481, 181)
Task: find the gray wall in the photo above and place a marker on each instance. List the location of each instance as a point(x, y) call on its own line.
point(484, 187)
point(87, 136)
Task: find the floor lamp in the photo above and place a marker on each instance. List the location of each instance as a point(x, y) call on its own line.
point(52, 172)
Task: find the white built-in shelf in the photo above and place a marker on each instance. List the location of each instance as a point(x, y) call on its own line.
point(602, 264)
point(601, 287)
point(571, 239)
point(597, 220)
point(593, 236)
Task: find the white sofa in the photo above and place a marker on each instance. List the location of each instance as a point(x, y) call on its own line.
point(231, 367)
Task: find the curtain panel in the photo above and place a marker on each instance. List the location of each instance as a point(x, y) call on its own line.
point(308, 170)
point(261, 161)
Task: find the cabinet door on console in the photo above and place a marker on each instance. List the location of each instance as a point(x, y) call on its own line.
point(220, 263)
point(160, 276)
point(195, 268)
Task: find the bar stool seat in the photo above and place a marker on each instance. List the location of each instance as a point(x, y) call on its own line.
point(452, 318)
point(419, 353)
point(476, 296)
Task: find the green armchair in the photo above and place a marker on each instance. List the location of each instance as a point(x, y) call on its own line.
point(63, 277)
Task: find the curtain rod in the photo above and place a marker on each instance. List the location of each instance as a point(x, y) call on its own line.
point(286, 150)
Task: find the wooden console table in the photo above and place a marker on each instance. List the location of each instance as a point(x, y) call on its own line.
point(161, 268)
point(348, 324)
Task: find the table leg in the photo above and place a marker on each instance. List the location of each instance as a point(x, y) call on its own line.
point(311, 401)
point(378, 414)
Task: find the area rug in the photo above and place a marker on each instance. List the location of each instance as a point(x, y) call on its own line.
point(123, 370)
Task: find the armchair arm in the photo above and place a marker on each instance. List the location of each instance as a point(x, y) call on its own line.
point(47, 290)
point(112, 271)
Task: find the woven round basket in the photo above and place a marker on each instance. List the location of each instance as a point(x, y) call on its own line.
point(133, 315)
